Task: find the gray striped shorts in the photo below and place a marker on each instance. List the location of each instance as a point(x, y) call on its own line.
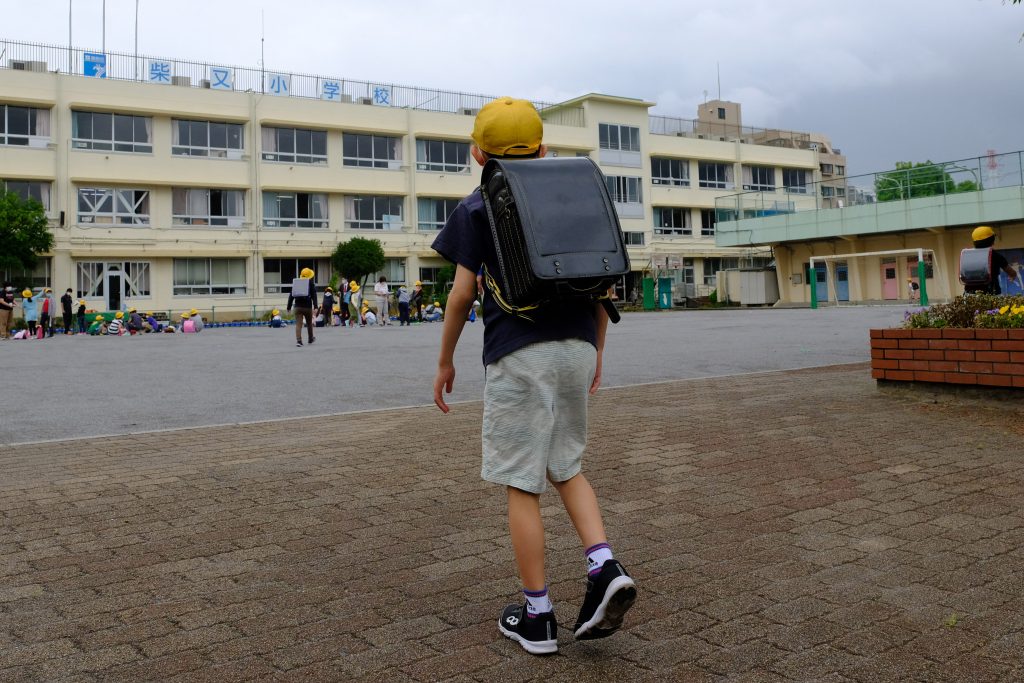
point(535, 414)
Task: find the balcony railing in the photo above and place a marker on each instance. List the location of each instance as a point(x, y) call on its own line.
point(186, 73)
point(710, 130)
point(927, 180)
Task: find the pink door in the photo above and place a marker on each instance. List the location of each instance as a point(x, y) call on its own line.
point(890, 281)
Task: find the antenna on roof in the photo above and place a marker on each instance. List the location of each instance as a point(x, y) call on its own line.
point(263, 35)
point(718, 68)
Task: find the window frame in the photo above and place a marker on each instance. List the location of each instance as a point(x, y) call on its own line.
point(210, 287)
point(209, 150)
point(610, 136)
point(423, 225)
point(708, 222)
point(36, 118)
point(118, 198)
point(378, 221)
point(705, 179)
point(209, 218)
point(620, 187)
point(659, 177)
point(79, 141)
point(423, 152)
point(791, 188)
point(392, 143)
point(634, 238)
point(760, 184)
point(321, 268)
point(296, 221)
point(277, 133)
point(684, 227)
point(45, 189)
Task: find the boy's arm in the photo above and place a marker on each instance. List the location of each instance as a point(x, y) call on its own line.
point(601, 319)
point(459, 301)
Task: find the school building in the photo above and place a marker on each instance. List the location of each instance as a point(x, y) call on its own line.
point(868, 248)
point(172, 184)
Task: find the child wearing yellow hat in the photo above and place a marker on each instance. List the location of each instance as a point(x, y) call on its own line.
point(30, 307)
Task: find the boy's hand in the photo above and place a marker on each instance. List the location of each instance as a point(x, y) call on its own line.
point(444, 379)
point(596, 384)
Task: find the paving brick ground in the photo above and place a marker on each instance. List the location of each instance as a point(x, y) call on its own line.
point(792, 526)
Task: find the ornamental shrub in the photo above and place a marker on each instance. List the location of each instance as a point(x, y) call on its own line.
point(970, 310)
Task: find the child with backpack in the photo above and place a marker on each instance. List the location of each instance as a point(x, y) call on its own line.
point(539, 374)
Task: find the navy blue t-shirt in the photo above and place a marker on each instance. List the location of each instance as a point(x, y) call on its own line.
point(466, 240)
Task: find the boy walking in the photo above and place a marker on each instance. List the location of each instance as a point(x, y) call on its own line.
point(538, 377)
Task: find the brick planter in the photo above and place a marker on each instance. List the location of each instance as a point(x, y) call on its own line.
point(949, 356)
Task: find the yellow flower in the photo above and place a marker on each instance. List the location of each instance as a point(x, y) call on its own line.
point(1003, 310)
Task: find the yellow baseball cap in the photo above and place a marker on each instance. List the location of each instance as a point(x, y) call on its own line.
point(27, 293)
point(275, 312)
point(99, 318)
point(119, 315)
point(982, 232)
point(307, 273)
point(508, 127)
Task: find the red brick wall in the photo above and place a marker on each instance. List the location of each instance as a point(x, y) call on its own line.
point(953, 356)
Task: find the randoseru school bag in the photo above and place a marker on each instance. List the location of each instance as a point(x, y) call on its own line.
point(555, 231)
point(976, 268)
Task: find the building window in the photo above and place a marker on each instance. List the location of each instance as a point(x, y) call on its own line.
point(374, 212)
point(429, 276)
point(672, 221)
point(209, 276)
point(278, 273)
point(394, 271)
point(721, 112)
point(827, 191)
point(201, 206)
point(206, 139)
point(434, 213)
point(442, 155)
point(624, 189)
point(622, 138)
point(294, 145)
point(794, 180)
point(113, 207)
point(111, 132)
point(826, 169)
point(24, 126)
point(37, 277)
point(840, 170)
point(670, 172)
point(294, 210)
point(633, 239)
point(91, 276)
point(371, 151)
point(711, 267)
point(29, 189)
point(707, 222)
point(840, 191)
point(714, 175)
point(759, 178)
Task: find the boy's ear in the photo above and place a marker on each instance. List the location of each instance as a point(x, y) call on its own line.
point(478, 154)
point(542, 152)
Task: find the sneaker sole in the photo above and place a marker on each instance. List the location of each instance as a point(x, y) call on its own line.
point(618, 598)
point(534, 647)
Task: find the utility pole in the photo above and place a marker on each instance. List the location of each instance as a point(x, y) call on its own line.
point(104, 26)
point(136, 39)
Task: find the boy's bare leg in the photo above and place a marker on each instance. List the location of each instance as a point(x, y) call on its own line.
point(581, 504)
point(527, 531)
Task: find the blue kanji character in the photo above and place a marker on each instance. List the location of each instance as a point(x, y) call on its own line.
point(278, 84)
point(221, 79)
point(331, 90)
point(160, 72)
point(381, 96)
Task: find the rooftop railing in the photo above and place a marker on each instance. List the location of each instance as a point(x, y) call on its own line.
point(923, 180)
point(186, 73)
point(713, 130)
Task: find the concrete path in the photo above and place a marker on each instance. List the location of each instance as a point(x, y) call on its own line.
point(90, 386)
point(793, 526)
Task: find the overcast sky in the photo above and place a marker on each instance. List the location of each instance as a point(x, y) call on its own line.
point(887, 80)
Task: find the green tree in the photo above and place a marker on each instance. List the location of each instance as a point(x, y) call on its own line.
point(357, 258)
point(23, 232)
point(911, 180)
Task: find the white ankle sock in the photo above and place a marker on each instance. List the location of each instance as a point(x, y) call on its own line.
point(537, 602)
point(597, 555)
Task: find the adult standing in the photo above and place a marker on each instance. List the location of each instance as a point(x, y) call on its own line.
point(7, 306)
point(381, 293)
point(403, 305)
point(65, 310)
point(416, 300)
point(304, 304)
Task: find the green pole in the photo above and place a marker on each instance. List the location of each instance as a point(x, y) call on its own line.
point(213, 314)
point(812, 280)
point(921, 281)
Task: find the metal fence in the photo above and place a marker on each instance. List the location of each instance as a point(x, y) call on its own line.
point(926, 180)
point(713, 130)
point(186, 73)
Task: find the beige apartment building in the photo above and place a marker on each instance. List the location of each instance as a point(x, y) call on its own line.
point(173, 185)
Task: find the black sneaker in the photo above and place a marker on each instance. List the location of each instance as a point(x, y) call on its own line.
point(312, 339)
point(537, 633)
point(610, 593)
point(298, 342)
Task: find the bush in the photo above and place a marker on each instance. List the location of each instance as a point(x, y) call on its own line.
point(970, 310)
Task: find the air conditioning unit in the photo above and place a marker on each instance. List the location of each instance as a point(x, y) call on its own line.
point(205, 83)
point(234, 154)
point(346, 98)
point(365, 100)
point(813, 146)
point(680, 134)
point(185, 81)
point(27, 65)
point(469, 111)
point(700, 136)
point(721, 138)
